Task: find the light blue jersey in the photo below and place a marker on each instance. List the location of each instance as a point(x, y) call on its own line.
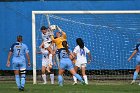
point(65, 62)
point(19, 50)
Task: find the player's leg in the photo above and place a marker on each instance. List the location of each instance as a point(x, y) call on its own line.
point(135, 75)
point(62, 67)
point(22, 74)
point(74, 78)
point(83, 69)
point(44, 75)
point(16, 72)
point(60, 78)
point(17, 78)
point(52, 76)
point(51, 53)
point(73, 72)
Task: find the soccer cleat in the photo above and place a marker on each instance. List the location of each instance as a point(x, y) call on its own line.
point(83, 83)
point(21, 89)
point(43, 83)
point(75, 83)
point(61, 85)
point(139, 84)
point(133, 81)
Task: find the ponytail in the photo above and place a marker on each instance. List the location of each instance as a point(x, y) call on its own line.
point(65, 45)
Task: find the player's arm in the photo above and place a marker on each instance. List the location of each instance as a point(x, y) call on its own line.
point(89, 54)
point(135, 51)
point(61, 31)
point(8, 59)
point(28, 58)
point(90, 58)
point(27, 55)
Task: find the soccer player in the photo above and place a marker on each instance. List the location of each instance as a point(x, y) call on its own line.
point(46, 37)
point(136, 51)
point(60, 37)
point(80, 52)
point(18, 50)
point(66, 64)
point(46, 65)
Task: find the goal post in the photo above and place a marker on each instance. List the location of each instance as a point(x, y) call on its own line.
point(119, 12)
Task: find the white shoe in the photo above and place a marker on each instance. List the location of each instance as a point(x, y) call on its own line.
point(139, 84)
point(133, 81)
point(75, 83)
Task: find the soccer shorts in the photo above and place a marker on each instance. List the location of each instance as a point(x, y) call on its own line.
point(138, 60)
point(81, 65)
point(19, 65)
point(66, 64)
point(46, 63)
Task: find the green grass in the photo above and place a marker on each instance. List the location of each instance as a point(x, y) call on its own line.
point(100, 87)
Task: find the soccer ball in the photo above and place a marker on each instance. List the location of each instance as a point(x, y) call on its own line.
point(53, 27)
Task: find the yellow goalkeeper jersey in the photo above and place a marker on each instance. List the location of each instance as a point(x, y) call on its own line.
point(58, 41)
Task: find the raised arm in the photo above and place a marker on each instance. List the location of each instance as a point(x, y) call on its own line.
point(61, 31)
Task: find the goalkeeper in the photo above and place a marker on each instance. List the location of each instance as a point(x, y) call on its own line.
point(60, 37)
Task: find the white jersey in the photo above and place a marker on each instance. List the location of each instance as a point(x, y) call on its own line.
point(46, 37)
point(81, 54)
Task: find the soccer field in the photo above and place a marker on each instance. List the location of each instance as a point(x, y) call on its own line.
point(100, 87)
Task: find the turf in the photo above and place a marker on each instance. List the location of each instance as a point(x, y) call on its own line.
point(10, 87)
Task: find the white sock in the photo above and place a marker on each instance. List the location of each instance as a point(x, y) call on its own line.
point(52, 78)
point(50, 58)
point(85, 79)
point(75, 79)
point(44, 78)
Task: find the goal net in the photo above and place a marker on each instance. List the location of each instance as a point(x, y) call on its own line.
point(110, 36)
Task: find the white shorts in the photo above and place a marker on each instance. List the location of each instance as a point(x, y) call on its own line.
point(46, 63)
point(81, 65)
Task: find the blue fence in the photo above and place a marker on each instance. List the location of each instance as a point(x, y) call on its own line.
point(15, 19)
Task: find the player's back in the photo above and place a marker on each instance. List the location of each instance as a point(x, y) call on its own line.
point(81, 53)
point(19, 49)
point(63, 54)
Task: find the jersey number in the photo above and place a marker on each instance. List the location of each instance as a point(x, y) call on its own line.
point(18, 51)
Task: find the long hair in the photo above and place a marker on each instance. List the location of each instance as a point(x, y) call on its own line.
point(80, 42)
point(65, 45)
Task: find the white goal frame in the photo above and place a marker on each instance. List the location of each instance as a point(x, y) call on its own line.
point(66, 12)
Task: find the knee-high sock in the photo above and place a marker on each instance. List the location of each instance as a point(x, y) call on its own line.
point(85, 79)
point(23, 80)
point(44, 78)
point(75, 79)
point(78, 77)
point(135, 75)
point(52, 78)
point(17, 78)
point(60, 80)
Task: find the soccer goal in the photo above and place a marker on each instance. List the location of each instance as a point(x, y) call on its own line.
point(111, 37)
